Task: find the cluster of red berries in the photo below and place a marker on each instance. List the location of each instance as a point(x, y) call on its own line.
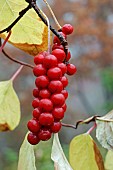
point(50, 94)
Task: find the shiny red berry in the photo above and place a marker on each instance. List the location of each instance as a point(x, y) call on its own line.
point(58, 113)
point(63, 67)
point(44, 93)
point(36, 113)
point(57, 40)
point(64, 81)
point(38, 59)
point(59, 54)
point(64, 107)
point(55, 86)
point(33, 139)
point(46, 119)
point(55, 128)
point(39, 70)
point(36, 92)
point(65, 93)
point(68, 56)
point(45, 105)
point(33, 125)
point(54, 73)
point(42, 81)
point(58, 99)
point(50, 61)
point(71, 69)
point(67, 29)
point(35, 102)
point(44, 134)
point(57, 46)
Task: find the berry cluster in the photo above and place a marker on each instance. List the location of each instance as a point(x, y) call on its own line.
point(50, 94)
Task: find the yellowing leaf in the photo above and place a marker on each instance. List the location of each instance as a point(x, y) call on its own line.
point(26, 156)
point(58, 156)
point(104, 130)
point(84, 154)
point(9, 107)
point(30, 33)
point(109, 160)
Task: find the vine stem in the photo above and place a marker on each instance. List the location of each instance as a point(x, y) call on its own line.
point(16, 73)
point(5, 41)
point(69, 125)
point(92, 128)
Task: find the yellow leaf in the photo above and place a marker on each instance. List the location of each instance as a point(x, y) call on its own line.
point(109, 160)
point(9, 107)
point(26, 156)
point(84, 154)
point(30, 33)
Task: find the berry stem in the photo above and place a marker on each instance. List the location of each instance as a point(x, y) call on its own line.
point(16, 73)
point(92, 128)
point(5, 41)
point(69, 125)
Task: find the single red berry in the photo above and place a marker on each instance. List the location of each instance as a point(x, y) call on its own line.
point(42, 81)
point(39, 70)
point(65, 93)
point(55, 128)
point(64, 107)
point(44, 93)
point(45, 105)
point(38, 59)
point(71, 69)
point(36, 113)
point(58, 113)
point(58, 99)
point(36, 92)
point(33, 139)
point(68, 56)
point(57, 40)
point(50, 61)
point(44, 134)
point(57, 46)
point(64, 81)
point(67, 29)
point(63, 67)
point(35, 102)
point(46, 119)
point(55, 86)
point(54, 73)
point(33, 125)
point(59, 54)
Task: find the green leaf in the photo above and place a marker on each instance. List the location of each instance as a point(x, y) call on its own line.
point(109, 161)
point(30, 33)
point(84, 154)
point(9, 107)
point(104, 130)
point(26, 156)
point(58, 156)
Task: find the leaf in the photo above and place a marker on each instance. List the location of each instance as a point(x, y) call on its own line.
point(30, 33)
point(26, 156)
point(58, 156)
point(109, 160)
point(9, 106)
point(84, 154)
point(104, 130)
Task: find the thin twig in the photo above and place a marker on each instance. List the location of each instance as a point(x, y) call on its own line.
point(69, 125)
point(92, 128)
point(16, 73)
point(5, 41)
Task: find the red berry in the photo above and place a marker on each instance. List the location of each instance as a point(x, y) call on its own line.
point(35, 92)
point(68, 56)
point(38, 59)
point(50, 61)
point(63, 68)
point(71, 69)
point(39, 70)
point(59, 54)
point(58, 99)
point(64, 81)
point(42, 81)
point(33, 139)
point(64, 107)
point(55, 86)
point(46, 119)
point(44, 134)
point(67, 29)
point(58, 113)
point(35, 102)
point(36, 113)
point(44, 93)
point(33, 125)
point(46, 105)
point(57, 40)
point(65, 93)
point(55, 128)
point(57, 46)
point(54, 73)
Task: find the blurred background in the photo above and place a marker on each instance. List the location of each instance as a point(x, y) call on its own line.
point(90, 90)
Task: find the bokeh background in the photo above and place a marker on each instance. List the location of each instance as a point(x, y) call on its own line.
point(90, 90)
